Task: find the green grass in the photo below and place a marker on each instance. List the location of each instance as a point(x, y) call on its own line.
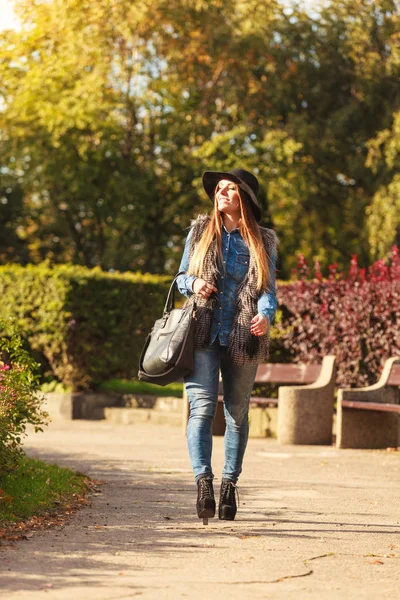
point(54, 386)
point(35, 487)
point(126, 386)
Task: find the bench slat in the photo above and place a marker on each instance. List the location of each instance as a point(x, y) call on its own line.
point(257, 401)
point(287, 373)
point(371, 406)
point(302, 373)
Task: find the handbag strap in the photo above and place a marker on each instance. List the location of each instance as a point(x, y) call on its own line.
point(170, 302)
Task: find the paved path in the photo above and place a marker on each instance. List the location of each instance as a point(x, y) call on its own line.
point(314, 523)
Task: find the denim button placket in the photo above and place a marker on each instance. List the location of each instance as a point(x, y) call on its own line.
point(228, 281)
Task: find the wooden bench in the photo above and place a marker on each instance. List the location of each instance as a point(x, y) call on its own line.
point(369, 417)
point(281, 373)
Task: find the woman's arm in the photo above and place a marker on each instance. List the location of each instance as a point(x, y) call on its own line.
point(267, 302)
point(185, 282)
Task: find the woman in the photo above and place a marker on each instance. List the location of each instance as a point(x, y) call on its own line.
point(229, 265)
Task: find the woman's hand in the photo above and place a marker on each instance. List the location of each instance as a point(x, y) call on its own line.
point(259, 325)
point(202, 288)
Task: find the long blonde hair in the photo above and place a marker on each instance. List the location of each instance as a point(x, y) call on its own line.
point(251, 234)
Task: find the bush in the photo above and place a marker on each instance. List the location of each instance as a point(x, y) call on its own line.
point(85, 326)
point(20, 403)
point(354, 316)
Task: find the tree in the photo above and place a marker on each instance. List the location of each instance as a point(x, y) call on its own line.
point(112, 110)
point(384, 211)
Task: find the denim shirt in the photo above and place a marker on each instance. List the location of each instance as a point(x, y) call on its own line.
point(236, 257)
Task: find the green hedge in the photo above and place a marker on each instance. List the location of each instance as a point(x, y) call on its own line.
point(84, 325)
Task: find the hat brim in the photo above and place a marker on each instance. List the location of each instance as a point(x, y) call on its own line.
point(212, 178)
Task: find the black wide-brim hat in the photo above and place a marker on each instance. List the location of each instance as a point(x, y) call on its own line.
point(246, 181)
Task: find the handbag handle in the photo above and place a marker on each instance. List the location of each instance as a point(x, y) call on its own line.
point(170, 302)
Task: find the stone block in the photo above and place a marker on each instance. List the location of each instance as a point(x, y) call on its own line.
point(305, 413)
point(367, 429)
point(79, 405)
point(364, 427)
point(133, 416)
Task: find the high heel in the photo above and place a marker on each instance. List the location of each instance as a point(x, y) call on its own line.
point(227, 501)
point(205, 499)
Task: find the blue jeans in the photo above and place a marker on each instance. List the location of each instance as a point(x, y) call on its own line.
point(202, 390)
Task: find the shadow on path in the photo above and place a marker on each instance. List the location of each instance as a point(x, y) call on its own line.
point(146, 511)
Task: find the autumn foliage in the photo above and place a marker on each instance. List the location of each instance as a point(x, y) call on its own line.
point(112, 110)
point(354, 315)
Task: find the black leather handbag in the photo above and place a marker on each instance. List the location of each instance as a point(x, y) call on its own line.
point(168, 353)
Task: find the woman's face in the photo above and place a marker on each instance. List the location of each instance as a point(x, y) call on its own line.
point(227, 197)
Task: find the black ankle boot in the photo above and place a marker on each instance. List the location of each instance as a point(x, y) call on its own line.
point(205, 498)
point(227, 501)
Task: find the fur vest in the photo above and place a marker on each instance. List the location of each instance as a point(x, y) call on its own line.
point(244, 348)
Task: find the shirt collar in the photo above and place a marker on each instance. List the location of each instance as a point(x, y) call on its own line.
point(233, 230)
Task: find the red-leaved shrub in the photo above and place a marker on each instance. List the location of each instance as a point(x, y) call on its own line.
point(355, 316)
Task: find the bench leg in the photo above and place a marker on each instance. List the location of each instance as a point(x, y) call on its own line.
point(218, 427)
point(305, 416)
point(366, 429)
